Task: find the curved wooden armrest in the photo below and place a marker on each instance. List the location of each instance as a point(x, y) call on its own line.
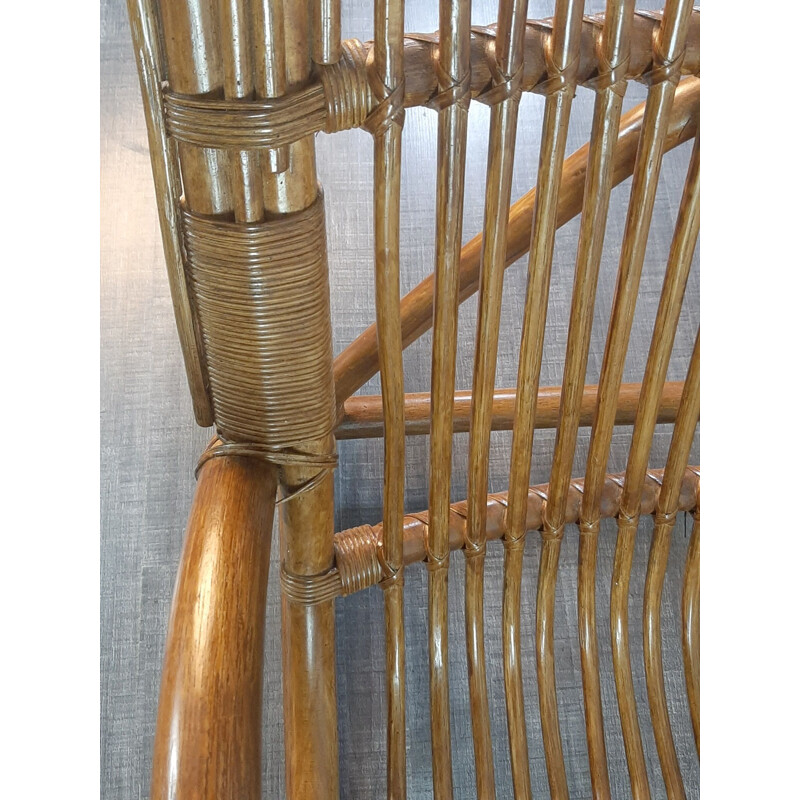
point(358, 362)
point(208, 733)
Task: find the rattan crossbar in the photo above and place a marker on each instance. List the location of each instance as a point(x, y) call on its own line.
point(357, 549)
point(341, 97)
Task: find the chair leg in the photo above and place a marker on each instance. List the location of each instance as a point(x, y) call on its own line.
point(309, 676)
point(208, 733)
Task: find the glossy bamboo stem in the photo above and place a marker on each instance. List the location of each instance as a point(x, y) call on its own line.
point(564, 47)
point(213, 664)
point(668, 44)
point(508, 55)
point(690, 611)
point(512, 667)
point(358, 362)
point(388, 68)
point(309, 678)
point(363, 415)
point(653, 664)
point(452, 71)
point(613, 50)
point(666, 510)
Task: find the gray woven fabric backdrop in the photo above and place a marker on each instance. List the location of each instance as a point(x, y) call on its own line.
point(149, 445)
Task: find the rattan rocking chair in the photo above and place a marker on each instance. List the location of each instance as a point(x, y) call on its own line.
point(234, 93)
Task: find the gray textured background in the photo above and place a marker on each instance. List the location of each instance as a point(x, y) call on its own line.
point(149, 445)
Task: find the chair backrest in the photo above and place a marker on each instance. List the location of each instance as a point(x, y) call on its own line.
point(234, 93)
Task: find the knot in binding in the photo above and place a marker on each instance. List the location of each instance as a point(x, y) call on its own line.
point(389, 109)
point(451, 90)
point(219, 447)
point(665, 517)
point(502, 86)
point(663, 68)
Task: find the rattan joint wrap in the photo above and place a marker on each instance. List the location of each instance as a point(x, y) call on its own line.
point(310, 590)
point(502, 86)
point(347, 91)
point(357, 559)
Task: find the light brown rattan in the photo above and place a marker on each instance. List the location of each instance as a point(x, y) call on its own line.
point(234, 93)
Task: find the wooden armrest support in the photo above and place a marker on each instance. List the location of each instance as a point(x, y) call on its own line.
point(208, 733)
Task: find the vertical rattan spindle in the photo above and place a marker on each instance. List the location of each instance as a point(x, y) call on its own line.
point(326, 38)
point(234, 26)
point(613, 51)
point(665, 515)
point(385, 65)
point(502, 95)
point(668, 49)
point(269, 48)
point(562, 48)
point(452, 102)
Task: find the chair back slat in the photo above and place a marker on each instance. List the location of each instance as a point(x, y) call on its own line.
point(386, 125)
point(506, 78)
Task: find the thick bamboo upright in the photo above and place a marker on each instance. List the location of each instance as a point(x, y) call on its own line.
point(306, 522)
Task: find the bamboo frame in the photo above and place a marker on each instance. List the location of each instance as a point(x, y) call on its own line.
point(246, 193)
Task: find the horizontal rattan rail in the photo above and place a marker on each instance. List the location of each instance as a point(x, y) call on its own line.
point(363, 415)
point(339, 96)
point(357, 549)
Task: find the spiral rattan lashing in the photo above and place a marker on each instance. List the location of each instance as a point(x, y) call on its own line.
point(267, 362)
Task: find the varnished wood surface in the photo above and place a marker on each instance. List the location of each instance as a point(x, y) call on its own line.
point(208, 735)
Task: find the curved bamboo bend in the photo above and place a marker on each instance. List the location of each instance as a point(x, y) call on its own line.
point(358, 362)
point(208, 733)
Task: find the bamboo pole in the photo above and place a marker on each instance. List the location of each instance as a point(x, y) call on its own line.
point(452, 68)
point(386, 124)
point(613, 53)
point(668, 47)
point(502, 137)
point(306, 522)
point(564, 47)
point(363, 415)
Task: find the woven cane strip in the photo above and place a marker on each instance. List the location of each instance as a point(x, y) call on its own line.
point(347, 92)
point(261, 296)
